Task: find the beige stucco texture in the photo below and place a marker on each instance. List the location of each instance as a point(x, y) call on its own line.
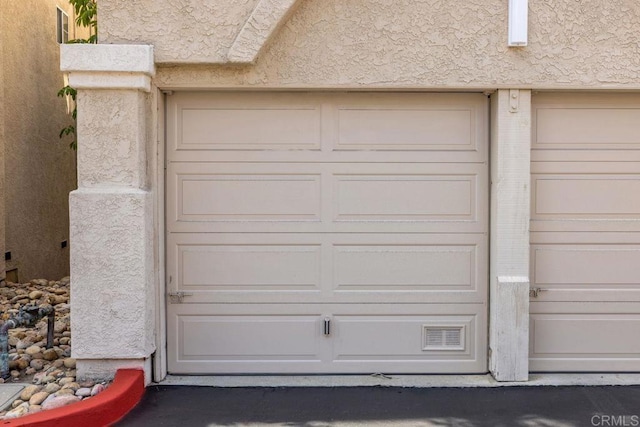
point(112, 300)
point(112, 211)
point(39, 168)
point(385, 43)
point(3, 17)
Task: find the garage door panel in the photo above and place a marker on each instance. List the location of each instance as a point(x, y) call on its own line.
point(246, 337)
point(215, 123)
point(249, 338)
point(404, 197)
point(242, 197)
point(250, 267)
point(586, 121)
point(586, 272)
point(271, 128)
point(305, 268)
point(403, 337)
point(405, 268)
point(586, 127)
point(587, 334)
point(403, 129)
point(584, 265)
point(585, 196)
point(211, 197)
point(587, 341)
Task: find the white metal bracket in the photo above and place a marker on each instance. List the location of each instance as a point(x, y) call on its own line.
point(514, 100)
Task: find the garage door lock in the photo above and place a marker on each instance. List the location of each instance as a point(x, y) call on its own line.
point(178, 297)
point(533, 292)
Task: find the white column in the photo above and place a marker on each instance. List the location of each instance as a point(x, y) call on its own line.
point(510, 214)
point(111, 212)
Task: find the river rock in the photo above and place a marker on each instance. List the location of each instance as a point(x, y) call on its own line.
point(51, 388)
point(59, 401)
point(38, 398)
point(21, 410)
point(97, 389)
point(83, 392)
point(34, 349)
point(34, 408)
point(66, 380)
point(49, 354)
point(24, 343)
point(72, 385)
point(37, 364)
point(29, 391)
point(35, 294)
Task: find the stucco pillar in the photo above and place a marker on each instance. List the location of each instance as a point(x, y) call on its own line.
point(111, 212)
point(509, 251)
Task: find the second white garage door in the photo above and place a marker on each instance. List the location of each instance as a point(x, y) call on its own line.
point(319, 233)
point(585, 232)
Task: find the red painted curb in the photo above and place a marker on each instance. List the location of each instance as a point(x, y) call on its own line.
point(102, 410)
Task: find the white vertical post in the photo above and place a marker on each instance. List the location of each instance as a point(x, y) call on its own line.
point(510, 214)
point(518, 22)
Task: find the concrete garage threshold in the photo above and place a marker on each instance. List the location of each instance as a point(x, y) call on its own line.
point(390, 380)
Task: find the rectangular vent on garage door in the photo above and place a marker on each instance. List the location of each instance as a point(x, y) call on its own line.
point(442, 338)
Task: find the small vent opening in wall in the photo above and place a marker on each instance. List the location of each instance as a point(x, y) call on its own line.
point(443, 338)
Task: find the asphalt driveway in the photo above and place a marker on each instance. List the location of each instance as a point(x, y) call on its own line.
point(195, 406)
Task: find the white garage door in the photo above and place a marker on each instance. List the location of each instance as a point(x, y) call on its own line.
point(327, 233)
point(585, 233)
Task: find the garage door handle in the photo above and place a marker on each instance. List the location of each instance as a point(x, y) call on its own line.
point(533, 292)
point(178, 297)
point(327, 326)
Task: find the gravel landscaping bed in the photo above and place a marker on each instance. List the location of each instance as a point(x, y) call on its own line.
point(48, 373)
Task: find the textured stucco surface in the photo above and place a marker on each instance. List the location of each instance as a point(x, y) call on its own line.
point(2, 143)
point(384, 43)
point(112, 266)
point(180, 30)
point(101, 369)
point(261, 25)
point(108, 58)
point(39, 167)
point(113, 258)
point(111, 148)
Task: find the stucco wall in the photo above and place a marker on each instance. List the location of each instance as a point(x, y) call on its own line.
point(181, 31)
point(2, 103)
point(39, 168)
point(384, 43)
